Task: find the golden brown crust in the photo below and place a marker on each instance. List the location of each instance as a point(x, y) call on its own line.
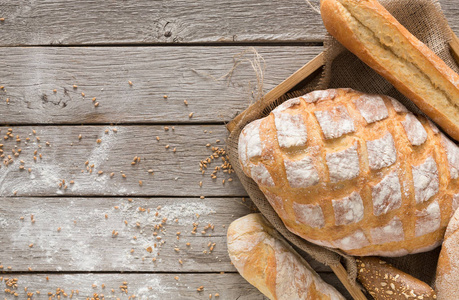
point(266, 261)
point(447, 280)
point(383, 281)
point(380, 184)
point(369, 31)
point(314, 293)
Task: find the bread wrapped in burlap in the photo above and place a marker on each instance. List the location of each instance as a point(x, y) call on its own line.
point(354, 171)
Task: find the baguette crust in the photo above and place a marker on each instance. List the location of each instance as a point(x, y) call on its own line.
point(270, 264)
point(383, 281)
point(368, 30)
point(447, 281)
point(355, 171)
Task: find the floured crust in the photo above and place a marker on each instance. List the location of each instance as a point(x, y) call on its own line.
point(382, 152)
point(425, 179)
point(370, 191)
point(414, 130)
point(335, 122)
point(266, 261)
point(372, 108)
point(290, 129)
point(368, 30)
point(386, 194)
point(391, 232)
point(343, 165)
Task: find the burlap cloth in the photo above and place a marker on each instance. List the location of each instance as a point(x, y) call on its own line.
point(425, 20)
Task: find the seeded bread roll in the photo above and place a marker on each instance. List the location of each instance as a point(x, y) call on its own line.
point(354, 171)
point(383, 281)
point(447, 282)
point(369, 31)
point(270, 264)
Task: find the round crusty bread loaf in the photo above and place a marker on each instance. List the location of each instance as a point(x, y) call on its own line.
point(269, 263)
point(354, 171)
point(447, 281)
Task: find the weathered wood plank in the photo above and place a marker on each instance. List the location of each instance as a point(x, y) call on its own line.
point(143, 286)
point(145, 22)
point(195, 74)
point(228, 286)
point(65, 22)
point(86, 240)
point(174, 173)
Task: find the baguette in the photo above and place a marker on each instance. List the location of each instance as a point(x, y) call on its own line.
point(447, 281)
point(369, 31)
point(269, 263)
point(354, 171)
point(383, 281)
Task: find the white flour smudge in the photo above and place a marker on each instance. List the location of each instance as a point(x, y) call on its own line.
point(44, 176)
point(101, 152)
point(154, 289)
point(3, 222)
point(77, 252)
point(185, 212)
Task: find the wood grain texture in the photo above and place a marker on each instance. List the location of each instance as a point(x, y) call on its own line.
point(86, 239)
point(195, 74)
point(174, 173)
point(142, 286)
point(93, 22)
point(229, 286)
point(65, 22)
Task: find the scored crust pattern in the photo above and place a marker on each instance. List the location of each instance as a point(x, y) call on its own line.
point(343, 165)
point(391, 232)
point(381, 152)
point(301, 173)
point(291, 130)
point(348, 210)
point(414, 130)
point(372, 108)
point(354, 171)
point(335, 122)
point(425, 179)
point(386, 194)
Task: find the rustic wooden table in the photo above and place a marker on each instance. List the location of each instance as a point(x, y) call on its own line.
point(87, 86)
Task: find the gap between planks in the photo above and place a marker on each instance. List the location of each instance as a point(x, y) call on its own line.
point(312, 43)
point(170, 123)
point(210, 197)
point(6, 273)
